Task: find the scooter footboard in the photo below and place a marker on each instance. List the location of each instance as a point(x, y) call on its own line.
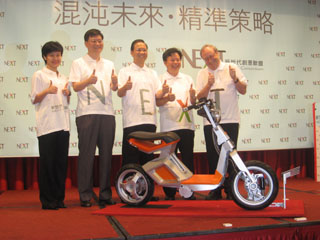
point(168, 171)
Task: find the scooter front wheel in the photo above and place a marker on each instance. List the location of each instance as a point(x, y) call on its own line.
point(255, 195)
point(133, 185)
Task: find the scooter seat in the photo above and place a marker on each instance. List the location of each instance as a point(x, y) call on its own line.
point(167, 137)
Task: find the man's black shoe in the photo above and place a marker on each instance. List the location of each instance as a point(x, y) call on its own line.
point(169, 198)
point(50, 206)
point(214, 195)
point(153, 198)
point(61, 205)
point(103, 203)
point(229, 197)
point(85, 203)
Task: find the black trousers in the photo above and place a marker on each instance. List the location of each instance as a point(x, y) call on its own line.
point(232, 130)
point(53, 150)
point(131, 154)
point(185, 146)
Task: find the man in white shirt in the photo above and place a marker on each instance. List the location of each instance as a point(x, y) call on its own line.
point(93, 78)
point(139, 88)
point(218, 74)
point(172, 118)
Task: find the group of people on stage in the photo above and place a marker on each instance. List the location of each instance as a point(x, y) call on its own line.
point(94, 78)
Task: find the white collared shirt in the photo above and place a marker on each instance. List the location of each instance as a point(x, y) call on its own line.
point(95, 98)
point(52, 113)
point(139, 103)
point(171, 115)
point(229, 97)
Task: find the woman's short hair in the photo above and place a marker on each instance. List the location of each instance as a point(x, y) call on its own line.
point(50, 47)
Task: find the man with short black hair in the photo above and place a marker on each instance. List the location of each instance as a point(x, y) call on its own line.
point(172, 118)
point(93, 78)
point(139, 87)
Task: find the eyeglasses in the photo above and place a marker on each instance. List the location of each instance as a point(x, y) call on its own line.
point(213, 57)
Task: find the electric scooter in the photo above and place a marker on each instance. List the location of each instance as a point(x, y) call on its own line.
point(253, 186)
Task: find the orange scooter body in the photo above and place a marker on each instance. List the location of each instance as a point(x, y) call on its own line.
point(167, 170)
point(150, 146)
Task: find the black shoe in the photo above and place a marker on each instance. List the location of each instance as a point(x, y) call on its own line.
point(103, 203)
point(214, 195)
point(229, 197)
point(85, 204)
point(169, 198)
point(50, 206)
point(153, 198)
point(61, 205)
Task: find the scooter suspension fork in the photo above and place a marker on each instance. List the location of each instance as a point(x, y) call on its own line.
point(240, 164)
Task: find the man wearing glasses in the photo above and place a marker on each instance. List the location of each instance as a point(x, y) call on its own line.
point(228, 76)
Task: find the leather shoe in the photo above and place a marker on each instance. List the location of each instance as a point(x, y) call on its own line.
point(85, 203)
point(154, 199)
point(214, 195)
point(50, 206)
point(61, 205)
point(229, 196)
point(169, 198)
point(103, 203)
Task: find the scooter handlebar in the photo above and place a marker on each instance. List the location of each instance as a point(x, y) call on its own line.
point(197, 105)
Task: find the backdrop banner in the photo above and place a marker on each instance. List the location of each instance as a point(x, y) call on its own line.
point(275, 43)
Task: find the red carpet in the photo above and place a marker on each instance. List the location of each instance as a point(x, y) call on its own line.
point(201, 208)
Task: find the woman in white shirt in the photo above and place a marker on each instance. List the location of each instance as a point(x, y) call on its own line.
point(50, 95)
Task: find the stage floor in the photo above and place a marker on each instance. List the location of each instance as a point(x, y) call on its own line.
point(22, 218)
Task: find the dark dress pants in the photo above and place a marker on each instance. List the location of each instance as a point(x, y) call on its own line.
point(232, 130)
point(131, 154)
point(53, 164)
point(95, 131)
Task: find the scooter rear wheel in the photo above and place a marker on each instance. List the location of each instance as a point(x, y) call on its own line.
point(255, 196)
point(133, 185)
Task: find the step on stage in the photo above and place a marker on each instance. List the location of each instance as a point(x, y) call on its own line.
point(22, 217)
